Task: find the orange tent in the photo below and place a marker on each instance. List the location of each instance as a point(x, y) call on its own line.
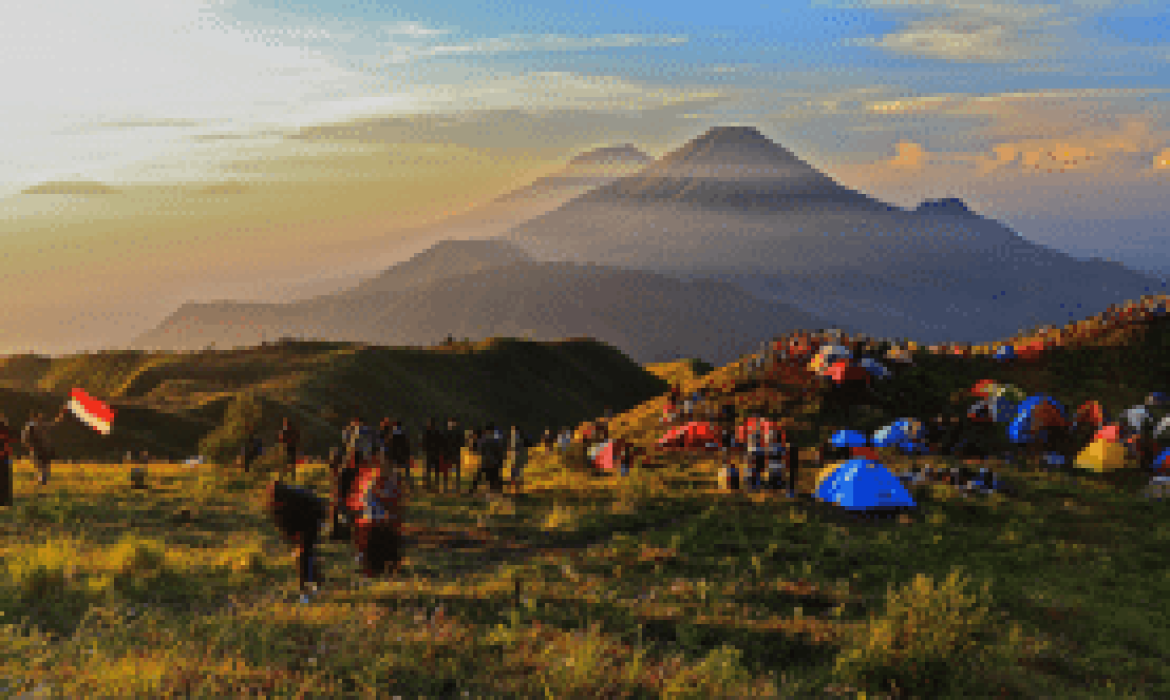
point(984, 387)
point(1046, 415)
point(1110, 433)
point(866, 452)
point(844, 371)
point(760, 425)
point(610, 455)
point(1091, 413)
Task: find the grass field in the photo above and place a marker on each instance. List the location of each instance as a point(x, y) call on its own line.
point(656, 585)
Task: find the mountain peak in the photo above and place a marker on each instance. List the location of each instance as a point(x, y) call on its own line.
point(733, 152)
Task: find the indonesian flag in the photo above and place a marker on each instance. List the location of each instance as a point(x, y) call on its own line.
point(90, 411)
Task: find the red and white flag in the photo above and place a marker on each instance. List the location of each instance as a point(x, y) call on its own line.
point(90, 411)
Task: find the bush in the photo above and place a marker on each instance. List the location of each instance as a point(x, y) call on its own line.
point(223, 445)
point(44, 571)
point(931, 637)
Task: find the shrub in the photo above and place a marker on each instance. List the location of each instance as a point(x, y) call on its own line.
point(929, 638)
point(222, 446)
point(43, 571)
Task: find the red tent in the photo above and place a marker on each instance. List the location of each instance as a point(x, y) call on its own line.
point(610, 455)
point(845, 371)
point(1091, 413)
point(692, 435)
point(1112, 433)
point(983, 387)
point(1031, 352)
point(673, 438)
point(866, 452)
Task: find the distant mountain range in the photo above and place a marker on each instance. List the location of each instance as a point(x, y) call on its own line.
point(705, 252)
point(478, 289)
point(734, 206)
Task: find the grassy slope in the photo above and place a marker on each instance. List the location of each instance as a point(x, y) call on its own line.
point(166, 401)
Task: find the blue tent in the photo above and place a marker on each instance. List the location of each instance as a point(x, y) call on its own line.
point(1019, 429)
point(890, 435)
point(849, 438)
point(1007, 352)
point(862, 484)
point(1001, 410)
point(911, 447)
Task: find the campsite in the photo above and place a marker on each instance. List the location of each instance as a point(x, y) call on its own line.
point(654, 583)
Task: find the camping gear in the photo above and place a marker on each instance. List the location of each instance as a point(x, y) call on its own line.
point(1162, 462)
point(862, 484)
point(729, 478)
point(824, 473)
point(1163, 426)
point(693, 435)
point(1022, 428)
point(834, 352)
point(899, 431)
point(1136, 416)
point(998, 410)
point(864, 451)
point(1109, 433)
point(1009, 392)
point(844, 371)
point(848, 438)
point(1102, 455)
point(875, 368)
point(609, 454)
point(900, 355)
point(760, 425)
point(1090, 413)
point(985, 388)
point(1005, 353)
point(376, 502)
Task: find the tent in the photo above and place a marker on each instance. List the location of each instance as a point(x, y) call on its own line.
point(985, 388)
point(849, 438)
point(1011, 392)
point(835, 352)
point(673, 438)
point(875, 368)
point(1136, 416)
point(863, 484)
point(1090, 413)
point(1007, 352)
point(898, 431)
point(997, 409)
point(819, 364)
point(1163, 426)
point(845, 371)
point(1102, 455)
point(865, 452)
point(1109, 433)
point(824, 473)
point(901, 355)
point(1162, 461)
point(1044, 409)
point(609, 456)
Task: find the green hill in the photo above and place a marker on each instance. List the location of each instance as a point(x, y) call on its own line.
point(167, 401)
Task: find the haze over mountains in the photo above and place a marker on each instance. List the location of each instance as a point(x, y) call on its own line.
point(706, 251)
point(478, 289)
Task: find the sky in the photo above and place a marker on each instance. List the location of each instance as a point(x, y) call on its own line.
point(157, 151)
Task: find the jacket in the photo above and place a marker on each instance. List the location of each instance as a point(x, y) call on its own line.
point(399, 446)
point(491, 446)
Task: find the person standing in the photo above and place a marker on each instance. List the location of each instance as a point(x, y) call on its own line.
point(471, 449)
point(517, 458)
point(775, 457)
point(383, 434)
point(298, 513)
point(7, 440)
point(358, 442)
point(290, 438)
point(432, 445)
point(792, 462)
point(399, 448)
point(251, 448)
point(453, 453)
point(491, 449)
point(37, 440)
point(757, 458)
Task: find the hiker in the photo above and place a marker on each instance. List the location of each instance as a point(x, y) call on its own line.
point(382, 438)
point(252, 447)
point(37, 441)
point(7, 441)
point(289, 437)
point(547, 440)
point(297, 512)
point(453, 453)
point(377, 533)
point(358, 441)
point(398, 448)
point(757, 459)
point(489, 445)
point(472, 447)
point(517, 458)
point(775, 457)
point(344, 475)
point(432, 445)
point(565, 440)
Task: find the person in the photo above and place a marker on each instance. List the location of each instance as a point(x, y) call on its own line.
point(383, 434)
point(37, 440)
point(289, 437)
point(358, 442)
point(565, 440)
point(399, 450)
point(251, 448)
point(547, 440)
point(298, 513)
point(343, 475)
point(7, 440)
point(432, 445)
point(377, 534)
point(490, 446)
point(756, 458)
point(453, 453)
point(471, 447)
point(517, 458)
point(775, 455)
point(138, 471)
point(792, 462)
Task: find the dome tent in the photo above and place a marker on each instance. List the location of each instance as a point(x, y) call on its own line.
point(863, 484)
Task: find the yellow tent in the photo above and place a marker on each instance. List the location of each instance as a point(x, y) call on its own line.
point(818, 363)
point(912, 345)
point(1102, 455)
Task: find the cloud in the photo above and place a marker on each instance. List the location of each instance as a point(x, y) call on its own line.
point(529, 43)
point(981, 32)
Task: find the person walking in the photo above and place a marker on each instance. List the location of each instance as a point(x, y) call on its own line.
point(298, 513)
point(7, 442)
point(517, 459)
point(37, 440)
point(756, 458)
point(358, 442)
point(251, 448)
point(432, 445)
point(289, 437)
point(344, 474)
point(775, 456)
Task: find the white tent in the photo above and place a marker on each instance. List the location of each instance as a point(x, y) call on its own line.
point(1136, 416)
